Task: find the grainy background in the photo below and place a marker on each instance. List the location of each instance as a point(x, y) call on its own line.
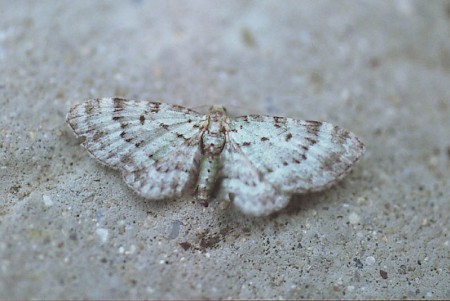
point(70, 228)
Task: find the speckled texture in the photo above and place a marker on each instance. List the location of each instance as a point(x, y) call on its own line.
point(70, 227)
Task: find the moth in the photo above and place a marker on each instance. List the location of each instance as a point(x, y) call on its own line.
point(257, 162)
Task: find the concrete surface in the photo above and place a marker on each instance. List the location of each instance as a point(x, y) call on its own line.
point(70, 227)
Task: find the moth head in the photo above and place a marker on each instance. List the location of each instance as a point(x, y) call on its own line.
point(218, 109)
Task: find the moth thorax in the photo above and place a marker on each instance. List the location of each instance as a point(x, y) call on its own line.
point(213, 138)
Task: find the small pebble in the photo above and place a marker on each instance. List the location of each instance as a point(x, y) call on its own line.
point(47, 200)
point(370, 260)
point(102, 234)
point(354, 218)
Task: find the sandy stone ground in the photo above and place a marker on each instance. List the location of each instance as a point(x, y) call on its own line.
point(71, 228)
